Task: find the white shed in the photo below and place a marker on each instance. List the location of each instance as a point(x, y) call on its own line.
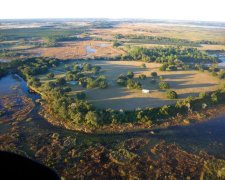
point(145, 91)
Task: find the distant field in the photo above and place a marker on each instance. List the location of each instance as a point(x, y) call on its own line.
point(82, 49)
point(186, 83)
point(165, 30)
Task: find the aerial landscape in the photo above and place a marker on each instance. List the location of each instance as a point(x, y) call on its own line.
point(101, 98)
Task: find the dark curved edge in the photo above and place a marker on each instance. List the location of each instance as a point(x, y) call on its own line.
point(13, 166)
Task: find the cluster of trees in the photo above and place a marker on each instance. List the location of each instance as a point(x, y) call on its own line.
point(55, 39)
point(174, 66)
point(86, 75)
point(213, 69)
point(34, 66)
point(5, 53)
point(128, 81)
point(168, 54)
point(97, 82)
point(159, 40)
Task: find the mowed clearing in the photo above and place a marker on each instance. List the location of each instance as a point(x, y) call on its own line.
point(185, 83)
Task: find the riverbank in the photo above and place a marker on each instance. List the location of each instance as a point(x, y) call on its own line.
point(179, 120)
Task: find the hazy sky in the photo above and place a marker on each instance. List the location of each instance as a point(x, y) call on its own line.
point(212, 10)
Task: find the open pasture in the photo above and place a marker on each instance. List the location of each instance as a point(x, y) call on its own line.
point(185, 83)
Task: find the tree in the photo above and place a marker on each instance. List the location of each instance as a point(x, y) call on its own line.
point(142, 76)
point(49, 85)
point(87, 67)
point(92, 118)
point(103, 84)
point(96, 69)
point(130, 74)
point(164, 85)
point(171, 94)
point(154, 74)
point(221, 74)
point(61, 81)
point(132, 84)
point(163, 67)
point(143, 65)
point(116, 44)
point(50, 75)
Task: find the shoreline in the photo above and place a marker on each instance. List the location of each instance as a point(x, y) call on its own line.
point(191, 119)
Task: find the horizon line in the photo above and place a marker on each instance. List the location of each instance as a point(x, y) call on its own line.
point(115, 19)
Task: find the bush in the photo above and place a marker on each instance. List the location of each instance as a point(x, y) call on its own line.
point(130, 74)
point(163, 67)
point(221, 74)
point(143, 65)
point(154, 74)
point(116, 44)
point(171, 94)
point(202, 95)
point(61, 81)
point(164, 85)
point(50, 75)
point(171, 68)
point(92, 119)
point(214, 74)
point(103, 84)
point(142, 76)
point(132, 84)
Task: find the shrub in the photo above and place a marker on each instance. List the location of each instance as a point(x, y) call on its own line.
point(116, 44)
point(163, 67)
point(214, 97)
point(103, 84)
point(164, 85)
point(214, 74)
point(121, 82)
point(171, 94)
point(92, 119)
point(132, 84)
point(61, 81)
point(142, 76)
point(202, 95)
point(96, 69)
point(221, 74)
point(143, 65)
point(130, 74)
point(154, 74)
point(171, 68)
point(50, 75)
point(69, 76)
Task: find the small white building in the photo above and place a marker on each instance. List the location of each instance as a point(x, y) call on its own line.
point(145, 91)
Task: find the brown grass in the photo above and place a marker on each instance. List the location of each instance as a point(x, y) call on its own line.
point(164, 30)
point(186, 83)
point(78, 50)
